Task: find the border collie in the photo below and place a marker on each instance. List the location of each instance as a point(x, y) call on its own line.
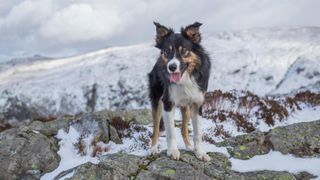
point(179, 79)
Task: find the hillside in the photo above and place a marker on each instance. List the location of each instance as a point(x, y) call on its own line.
point(262, 61)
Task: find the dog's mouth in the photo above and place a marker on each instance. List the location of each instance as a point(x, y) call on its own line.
point(176, 76)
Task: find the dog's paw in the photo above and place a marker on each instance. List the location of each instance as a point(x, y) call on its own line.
point(173, 154)
point(154, 150)
point(189, 147)
point(203, 156)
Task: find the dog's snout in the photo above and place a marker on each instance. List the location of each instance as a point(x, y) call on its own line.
point(173, 67)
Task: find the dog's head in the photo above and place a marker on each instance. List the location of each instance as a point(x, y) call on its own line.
point(179, 50)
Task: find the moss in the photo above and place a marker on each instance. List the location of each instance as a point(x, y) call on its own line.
point(170, 172)
point(242, 148)
point(142, 166)
point(92, 177)
point(34, 166)
point(237, 155)
point(285, 177)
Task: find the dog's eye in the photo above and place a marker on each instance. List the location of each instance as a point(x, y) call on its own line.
point(185, 52)
point(165, 52)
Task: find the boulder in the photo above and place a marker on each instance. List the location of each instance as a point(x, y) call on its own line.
point(300, 139)
point(27, 154)
point(51, 128)
point(124, 166)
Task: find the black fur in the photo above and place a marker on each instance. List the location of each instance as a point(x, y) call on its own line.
point(159, 76)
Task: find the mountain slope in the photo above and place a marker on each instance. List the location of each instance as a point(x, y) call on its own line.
point(256, 60)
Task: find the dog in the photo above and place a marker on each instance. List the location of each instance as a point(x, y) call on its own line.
point(179, 78)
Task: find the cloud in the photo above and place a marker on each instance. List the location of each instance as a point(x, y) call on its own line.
point(80, 22)
point(61, 27)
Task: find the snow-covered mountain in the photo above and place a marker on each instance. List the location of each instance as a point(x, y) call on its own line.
point(263, 61)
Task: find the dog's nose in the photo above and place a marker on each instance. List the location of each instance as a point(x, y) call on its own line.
point(173, 67)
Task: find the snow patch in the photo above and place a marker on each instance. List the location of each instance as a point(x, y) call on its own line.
point(68, 154)
point(278, 162)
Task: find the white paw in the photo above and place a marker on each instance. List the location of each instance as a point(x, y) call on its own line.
point(203, 156)
point(173, 154)
point(154, 150)
point(189, 147)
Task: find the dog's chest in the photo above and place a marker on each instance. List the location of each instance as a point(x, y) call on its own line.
point(186, 92)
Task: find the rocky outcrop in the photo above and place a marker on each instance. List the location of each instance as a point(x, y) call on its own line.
point(27, 154)
point(301, 139)
point(124, 166)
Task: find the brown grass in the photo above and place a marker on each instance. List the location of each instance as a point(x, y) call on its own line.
point(119, 123)
point(241, 106)
point(81, 145)
point(5, 127)
point(45, 118)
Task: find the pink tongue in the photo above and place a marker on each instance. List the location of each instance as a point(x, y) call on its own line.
point(175, 77)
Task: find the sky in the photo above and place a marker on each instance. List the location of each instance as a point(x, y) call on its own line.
point(59, 28)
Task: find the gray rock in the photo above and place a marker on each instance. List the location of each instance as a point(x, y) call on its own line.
point(139, 116)
point(114, 136)
point(51, 128)
point(262, 175)
point(166, 168)
point(26, 154)
point(123, 166)
point(113, 166)
point(301, 139)
point(92, 123)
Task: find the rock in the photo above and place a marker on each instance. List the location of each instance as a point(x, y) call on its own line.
point(166, 168)
point(305, 175)
point(124, 166)
point(26, 154)
point(51, 128)
point(92, 123)
point(139, 116)
point(19, 112)
point(248, 145)
point(301, 139)
point(114, 136)
point(262, 175)
point(114, 166)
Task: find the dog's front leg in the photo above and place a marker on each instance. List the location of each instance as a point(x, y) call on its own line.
point(168, 118)
point(197, 135)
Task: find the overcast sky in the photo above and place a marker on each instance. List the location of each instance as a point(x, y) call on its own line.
point(66, 27)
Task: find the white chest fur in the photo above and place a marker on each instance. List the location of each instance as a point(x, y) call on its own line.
point(186, 91)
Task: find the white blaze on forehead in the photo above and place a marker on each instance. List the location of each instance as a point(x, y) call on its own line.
point(173, 61)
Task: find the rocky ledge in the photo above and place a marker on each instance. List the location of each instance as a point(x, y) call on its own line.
point(300, 139)
point(124, 166)
point(30, 151)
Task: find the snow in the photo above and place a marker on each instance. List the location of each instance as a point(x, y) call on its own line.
point(307, 114)
point(132, 145)
point(278, 162)
point(258, 60)
point(68, 154)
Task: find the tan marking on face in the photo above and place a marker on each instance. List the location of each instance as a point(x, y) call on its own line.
point(164, 58)
point(192, 60)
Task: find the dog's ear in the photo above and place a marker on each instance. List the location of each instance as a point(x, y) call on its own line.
point(162, 33)
point(192, 32)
